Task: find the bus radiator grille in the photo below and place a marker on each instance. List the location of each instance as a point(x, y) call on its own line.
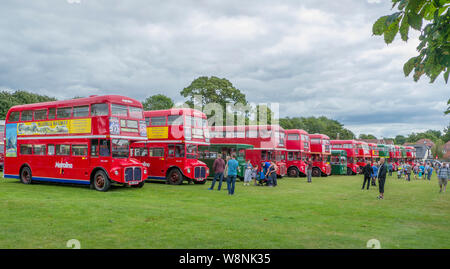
point(133, 174)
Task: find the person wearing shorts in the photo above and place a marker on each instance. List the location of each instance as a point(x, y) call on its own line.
point(443, 176)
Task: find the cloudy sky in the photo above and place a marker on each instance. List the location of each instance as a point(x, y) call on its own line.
point(312, 57)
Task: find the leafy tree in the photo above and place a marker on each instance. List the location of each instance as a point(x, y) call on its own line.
point(213, 90)
point(448, 108)
point(367, 136)
point(157, 102)
point(432, 19)
point(400, 140)
point(7, 100)
point(437, 149)
point(446, 135)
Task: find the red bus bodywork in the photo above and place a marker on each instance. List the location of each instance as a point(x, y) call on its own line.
point(298, 151)
point(268, 142)
point(363, 156)
point(374, 153)
point(79, 141)
point(350, 146)
point(410, 154)
point(171, 149)
point(2, 143)
point(320, 150)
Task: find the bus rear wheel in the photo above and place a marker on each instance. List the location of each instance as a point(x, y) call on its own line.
point(316, 172)
point(174, 177)
point(293, 172)
point(101, 181)
point(25, 175)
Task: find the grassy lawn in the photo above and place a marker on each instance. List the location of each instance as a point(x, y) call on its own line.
point(331, 212)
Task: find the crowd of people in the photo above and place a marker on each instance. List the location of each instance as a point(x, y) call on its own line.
point(420, 170)
point(266, 175)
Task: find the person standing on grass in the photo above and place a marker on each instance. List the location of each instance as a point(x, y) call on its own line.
point(255, 174)
point(381, 178)
point(408, 171)
point(430, 171)
point(218, 167)
point(233, 167)
point(367, 172)
point(374, 173)
point(309, 167)
point(248, 173)
point(390, 167)
point(443, 175)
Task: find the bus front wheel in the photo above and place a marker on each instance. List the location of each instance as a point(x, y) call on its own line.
point(174, 177)
point(293, 172)
point(101, 181)
point(25, 175)
point(316, 172)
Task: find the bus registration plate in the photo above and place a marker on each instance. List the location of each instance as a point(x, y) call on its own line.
point(133, 182)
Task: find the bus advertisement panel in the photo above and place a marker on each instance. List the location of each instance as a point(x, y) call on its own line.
point(171, 150)
point(79, 141)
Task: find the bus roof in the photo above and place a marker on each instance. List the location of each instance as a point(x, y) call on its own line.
point(245, 146)
point(246, 127)
point(117, 99)
point(296, 131)
point(321, 136)
point(343, 141)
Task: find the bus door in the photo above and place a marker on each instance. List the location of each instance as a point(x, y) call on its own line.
point(100, 153)
point(175, 155)
point(80, 161)
point(157, 161)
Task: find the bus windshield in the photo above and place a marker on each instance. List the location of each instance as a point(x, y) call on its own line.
point(191, 151)
point(119, 148)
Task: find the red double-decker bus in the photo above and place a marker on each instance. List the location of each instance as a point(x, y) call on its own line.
point(79, 141)
point(350, 146)
point(298, 151)
point(171, 149)
point(363, 156)
point(374, 152)
point(410, 154)
point(2, 143)
point(320, 150)
point(268, 142)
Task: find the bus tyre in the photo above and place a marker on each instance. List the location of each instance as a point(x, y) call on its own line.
point(101, 181)
point(25, 175)
point(316, 172)
point(174, 177)
point(349, 171)
point(293, 172)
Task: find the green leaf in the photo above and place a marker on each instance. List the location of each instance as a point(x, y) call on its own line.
point(404, 28)
point(415, 21)
point(391, 32)
point(409, 66)
point(379, 26)
point(402, 4)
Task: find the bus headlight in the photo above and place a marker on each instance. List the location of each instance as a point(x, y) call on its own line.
point(145, 171)
point(188, 170)
point(116, 173)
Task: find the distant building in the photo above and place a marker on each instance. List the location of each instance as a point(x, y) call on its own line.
point(423, 148)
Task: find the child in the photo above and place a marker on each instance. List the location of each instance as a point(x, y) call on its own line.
point(255, 174)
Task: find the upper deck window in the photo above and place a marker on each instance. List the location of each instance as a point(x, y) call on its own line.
point(158, 121)
point(64, 113)
point(293, 137)
point(337, 146)
point(14, 116)
point(135, 112)
point(40, 114)
point(27, 115)
point(263, 133)
point(315, 140)
point(80, 111)
point(175, 120)
point(99, 110)
point(348, 146)
point(197, 122)
point(119, 110)
point(51, 113)
point(240, 134)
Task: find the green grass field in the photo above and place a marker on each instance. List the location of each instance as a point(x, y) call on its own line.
point(331, 212)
